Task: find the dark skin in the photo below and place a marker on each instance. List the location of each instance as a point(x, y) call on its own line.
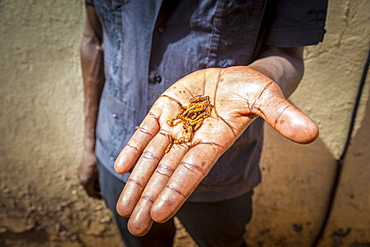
point(93, 77)
point(161, 182)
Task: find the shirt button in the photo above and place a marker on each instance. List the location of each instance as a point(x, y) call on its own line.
point(114, 115)
point(161, 28)
point(157, 78)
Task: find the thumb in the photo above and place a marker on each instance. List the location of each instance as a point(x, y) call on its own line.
point(289, 121)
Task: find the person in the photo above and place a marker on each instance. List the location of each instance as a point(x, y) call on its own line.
point(142, 61)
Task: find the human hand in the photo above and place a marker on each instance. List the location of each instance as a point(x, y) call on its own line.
point(88, 174)
point(161, 182)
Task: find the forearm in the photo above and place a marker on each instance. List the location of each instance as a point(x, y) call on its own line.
point(92, 63)
point(283, 65)
point(93, 79)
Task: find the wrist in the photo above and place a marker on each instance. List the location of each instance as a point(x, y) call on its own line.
point(89, 144)
point(283, 65)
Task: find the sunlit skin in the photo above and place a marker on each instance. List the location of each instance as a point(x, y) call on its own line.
point(161, 182)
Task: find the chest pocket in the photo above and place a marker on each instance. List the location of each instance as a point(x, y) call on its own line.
point(236, 27)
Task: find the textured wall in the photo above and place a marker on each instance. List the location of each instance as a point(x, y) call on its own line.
point(41, 203)
point(290, 203)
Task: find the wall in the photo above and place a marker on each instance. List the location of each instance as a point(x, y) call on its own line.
point(290, 203)
point(41, 202)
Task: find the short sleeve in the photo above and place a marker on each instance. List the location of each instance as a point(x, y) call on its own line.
point(295, 22)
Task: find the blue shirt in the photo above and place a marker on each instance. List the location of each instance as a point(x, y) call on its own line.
point(149, 45)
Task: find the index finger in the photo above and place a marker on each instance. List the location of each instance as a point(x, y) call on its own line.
point(135, 146)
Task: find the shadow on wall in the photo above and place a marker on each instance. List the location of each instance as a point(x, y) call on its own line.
point(349, 222)
point(290, 204)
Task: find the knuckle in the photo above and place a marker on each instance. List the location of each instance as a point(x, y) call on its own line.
point(194, 168)
point(165, 170)
point(150, 156)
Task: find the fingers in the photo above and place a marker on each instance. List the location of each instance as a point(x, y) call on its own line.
point(92, 189)
point(142, 172)
point(296, 126)
point(143, 135)
point(190, 172)
point(88, 174)
point(289, 121)
point(140, 220)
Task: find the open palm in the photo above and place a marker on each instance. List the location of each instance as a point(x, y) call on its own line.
point(161, 182)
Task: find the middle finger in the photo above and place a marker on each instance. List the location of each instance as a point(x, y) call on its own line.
point(140, 220)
